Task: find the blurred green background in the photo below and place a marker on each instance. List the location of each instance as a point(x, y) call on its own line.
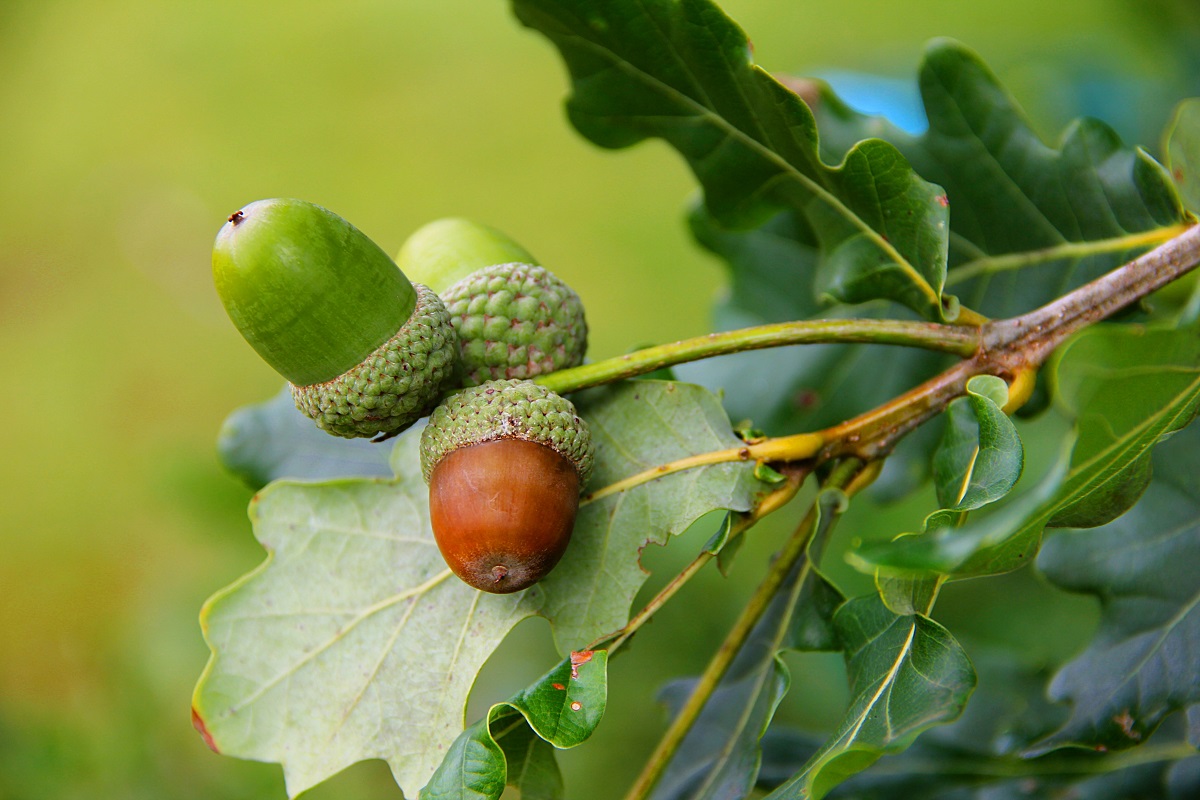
point(129, 129)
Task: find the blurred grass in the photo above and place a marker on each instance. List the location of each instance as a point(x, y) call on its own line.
point(132, 128)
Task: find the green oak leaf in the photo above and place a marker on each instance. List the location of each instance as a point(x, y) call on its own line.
point(353, 641)
point(907, 674)
point(1028, 221)
point(271, 440)
point(1002, 541)
point(720, 755)
point(1031, 234)
point(1128, 387)
point(681, 70)
point(980, 456)
point(1142, 665)
point(514, 743)
point(979, 749)
point(947, 774)
point(638, 426)
point(1182, 146)
point(1117, 382)
point(978, 461)
point(907, 595)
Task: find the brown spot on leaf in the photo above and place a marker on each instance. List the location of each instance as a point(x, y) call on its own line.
point(237, 217)
point(579, 658)
point(1126, 721)
point(576, 705)
point(805, 399)
point(943, 201)
point(202, 729)
point(558, 686)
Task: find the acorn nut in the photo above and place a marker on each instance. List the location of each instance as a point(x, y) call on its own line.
point(441, 253)
point(505, 462)
point(514, 319)
point(366, 351)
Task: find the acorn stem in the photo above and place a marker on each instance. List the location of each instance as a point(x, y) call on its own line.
point(953, 339)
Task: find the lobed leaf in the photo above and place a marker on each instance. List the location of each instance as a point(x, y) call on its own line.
point(680, 70)
point(1126, 388)
point(980, 749)
point(353, 641)
point(907, 674)
point(1028, 221)
point(1142, 664)
point(638, 426)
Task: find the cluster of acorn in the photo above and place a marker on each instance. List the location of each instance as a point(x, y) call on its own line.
point(367, 352)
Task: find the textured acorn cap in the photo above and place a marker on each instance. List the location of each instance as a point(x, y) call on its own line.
point(393, 386)
point(507, 409)
point(515, 321)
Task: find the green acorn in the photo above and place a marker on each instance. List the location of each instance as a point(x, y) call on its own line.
point(514, 318)
point(365, 351)
point(441, 253)
point(505, 462)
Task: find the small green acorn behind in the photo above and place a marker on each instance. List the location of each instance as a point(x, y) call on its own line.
point(365, 351)
point(514, 318)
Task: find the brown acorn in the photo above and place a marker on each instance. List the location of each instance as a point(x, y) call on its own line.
point(505, 462)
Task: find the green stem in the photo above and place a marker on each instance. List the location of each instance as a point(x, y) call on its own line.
point(842, 477)
point(1014, 348)
point(987, 265)
point(953, 339)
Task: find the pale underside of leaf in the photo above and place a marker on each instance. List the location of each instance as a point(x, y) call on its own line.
point(351, 641)
point(637, 426)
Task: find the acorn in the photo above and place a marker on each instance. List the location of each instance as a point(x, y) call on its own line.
point(505, 462)
point(441, 253)
point(366, 351)
point(514, 318)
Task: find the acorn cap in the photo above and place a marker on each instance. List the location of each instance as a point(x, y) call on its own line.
point(507, 409)
point(443, 252)
point(515, 321)
point(396, 384)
